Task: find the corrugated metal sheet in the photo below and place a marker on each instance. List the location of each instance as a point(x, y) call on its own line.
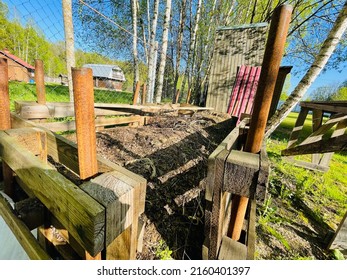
point(235, 46)
point(243, 92)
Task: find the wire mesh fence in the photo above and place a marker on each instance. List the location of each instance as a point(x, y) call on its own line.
point(34, 29)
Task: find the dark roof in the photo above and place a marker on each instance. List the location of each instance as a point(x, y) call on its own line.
point(17, 59)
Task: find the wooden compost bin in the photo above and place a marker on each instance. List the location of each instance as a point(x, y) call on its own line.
point(232, 171)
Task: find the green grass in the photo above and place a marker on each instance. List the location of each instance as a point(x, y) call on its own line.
point(20, 91)
point(313, 196)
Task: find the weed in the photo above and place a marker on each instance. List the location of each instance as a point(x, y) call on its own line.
point(163, 251)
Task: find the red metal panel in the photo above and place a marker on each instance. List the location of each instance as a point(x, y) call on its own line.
point(242, 95)
point(236, 88)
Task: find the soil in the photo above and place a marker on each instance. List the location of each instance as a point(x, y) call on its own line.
point(171, 153)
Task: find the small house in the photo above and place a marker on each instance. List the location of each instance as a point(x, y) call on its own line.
point(107, 76)
point(18, 69)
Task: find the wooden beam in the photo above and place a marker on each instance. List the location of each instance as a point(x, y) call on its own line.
point(71, 125)
point(329, 107)
point(85, 220)
point(21, 232)
point(335, 144)
point(339, 240)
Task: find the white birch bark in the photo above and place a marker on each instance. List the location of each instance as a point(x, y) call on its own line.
point(192, 44)
point(317, 66)
point(179, 42)
point(69, 43)
point(135, 54)
point(152, 54)
point(163, 52)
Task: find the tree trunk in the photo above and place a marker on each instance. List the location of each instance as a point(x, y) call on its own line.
point(191, 46)
point(152, 54)
point(179, 43)
point(321, 60)
point(135, 55)
point(163, 51)
point(69, 43)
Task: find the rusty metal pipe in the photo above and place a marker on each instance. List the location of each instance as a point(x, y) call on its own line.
point(85, 121)
point(262, 102)
point(40, 82)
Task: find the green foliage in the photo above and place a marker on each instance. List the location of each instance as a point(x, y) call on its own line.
point(163, 251)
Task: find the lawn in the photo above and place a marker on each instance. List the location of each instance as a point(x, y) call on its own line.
point(20, 91)
point(302, 205)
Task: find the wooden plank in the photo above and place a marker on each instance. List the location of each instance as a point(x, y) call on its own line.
point(65, 151)
point(33, 139)
point(263, 176)
point(333, 107)
point(339, 130)
point(117, 197)
point(119, 249)
point(335, 144)
point(40, 82)
point(251, 233)
point(317, 119)
point(232, 250)
point(339, 240)
point(124, 203)
point(99, 122)
point(294, 136)
point(85, 221)
point(21, 232)
point(317, 135)
point(241, 173)
point(217, 209)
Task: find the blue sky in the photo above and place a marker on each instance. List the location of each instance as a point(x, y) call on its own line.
point(48, 16)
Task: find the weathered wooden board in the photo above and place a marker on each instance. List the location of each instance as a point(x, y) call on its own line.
point(71, 125)
point(33, 110)
point(339, 241)
point(232, 250)
point(241, 173)
point(80, 214)
point(22, 233)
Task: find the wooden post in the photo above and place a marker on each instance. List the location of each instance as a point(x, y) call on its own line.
point(85, 121)
point(40, 82)
point(136, 93)
point(5, 117)
point(5, 122)
point(143, 100)
point(270, 67)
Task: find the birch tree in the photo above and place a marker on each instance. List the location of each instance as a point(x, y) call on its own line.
point(152, 54)
point(163, 51)
point(182, 20)
point(135, 55)
point(192, 45)
point(327, 49)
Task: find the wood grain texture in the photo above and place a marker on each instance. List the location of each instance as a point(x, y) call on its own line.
point(232, 250)
point(241, 173)
point(81, 215)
